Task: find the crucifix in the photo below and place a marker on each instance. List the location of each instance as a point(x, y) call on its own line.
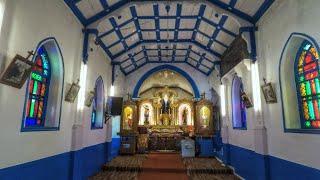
point(30, 53)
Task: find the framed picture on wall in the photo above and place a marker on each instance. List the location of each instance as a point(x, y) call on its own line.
point(269, 94)
point(247, 101)
point(72, 93)
point(89, 98)
point(17, 72)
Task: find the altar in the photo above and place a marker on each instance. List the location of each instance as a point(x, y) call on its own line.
point(165, 118)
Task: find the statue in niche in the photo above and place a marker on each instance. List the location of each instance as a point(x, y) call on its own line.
point(128, 113)
point(184, 116)
point(146, 115)
point(204, 115)
point(165, 108)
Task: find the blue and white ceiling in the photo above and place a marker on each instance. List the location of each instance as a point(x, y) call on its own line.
point(134, 33)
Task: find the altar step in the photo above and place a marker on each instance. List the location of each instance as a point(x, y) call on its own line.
point(162, 166)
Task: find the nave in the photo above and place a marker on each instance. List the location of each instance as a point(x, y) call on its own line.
point(159, 166)
point(176, 89)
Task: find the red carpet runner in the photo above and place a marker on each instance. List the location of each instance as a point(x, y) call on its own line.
point(163, 166)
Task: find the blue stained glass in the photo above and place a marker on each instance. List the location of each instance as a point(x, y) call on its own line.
point(31, 121)
point(45, 72)
point(93, 117)
point(307, 46)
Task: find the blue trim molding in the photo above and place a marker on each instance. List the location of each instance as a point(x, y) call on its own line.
point(162, 67)
point(252, 166)
point(77, 165)
point(50, 168)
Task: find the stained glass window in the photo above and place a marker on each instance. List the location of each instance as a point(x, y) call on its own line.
point(98, 105)
point(94, 111)
point(38, 90)
point(308, 85)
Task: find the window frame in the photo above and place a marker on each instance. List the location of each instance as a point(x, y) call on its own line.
point(282, 58)
point(44, 128)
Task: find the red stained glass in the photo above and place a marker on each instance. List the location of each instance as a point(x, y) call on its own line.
point(39, 61)
point(40, 109)
point(311, 75)
point(39, 89)
point(43, 90)
point(31, 86)
point(28, 107)
point(36, 108)
point(309, 67)
point(313, 87)
point(308, 58)
point(315, 124)
point(316, 109)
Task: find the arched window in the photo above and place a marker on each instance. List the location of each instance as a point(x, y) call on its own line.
point(239, 119)
point(308, 85)
point(44, 89)
point(98, 105)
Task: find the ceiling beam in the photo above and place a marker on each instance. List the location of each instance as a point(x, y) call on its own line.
point(166, 41)
point(110, 9)
point(232, 10)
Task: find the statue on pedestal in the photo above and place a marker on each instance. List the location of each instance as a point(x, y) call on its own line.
point(146, 115)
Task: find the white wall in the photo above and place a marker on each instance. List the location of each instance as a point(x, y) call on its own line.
point(276, 25)
point(25, 24)
point(99, 64)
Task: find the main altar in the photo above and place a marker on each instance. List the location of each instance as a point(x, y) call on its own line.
point(160, 121)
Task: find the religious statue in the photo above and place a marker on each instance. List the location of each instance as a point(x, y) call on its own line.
point(165, 108)
point(204, 114)
point(127, 118)
point(184, 116)
point(146, 115)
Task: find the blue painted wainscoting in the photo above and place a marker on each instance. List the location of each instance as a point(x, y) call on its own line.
point(114, 148)
point(54, 167)
point(253, 166)
point(88, 161)
point(205, 146)
point(77, 165)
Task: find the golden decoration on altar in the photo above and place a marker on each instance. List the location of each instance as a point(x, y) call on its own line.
point(128, 123)
point(204, 118)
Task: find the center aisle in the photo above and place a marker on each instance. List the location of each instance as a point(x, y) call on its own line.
point(163, 166)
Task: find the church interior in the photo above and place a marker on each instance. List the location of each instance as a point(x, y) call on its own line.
point(159, 89)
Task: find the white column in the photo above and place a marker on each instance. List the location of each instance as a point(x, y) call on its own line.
point(224, 111)
point(260, 132)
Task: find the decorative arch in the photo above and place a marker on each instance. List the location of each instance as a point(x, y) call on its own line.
point(162, 67)
point(44, 89)
point(292, 100)
point(98, 105)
